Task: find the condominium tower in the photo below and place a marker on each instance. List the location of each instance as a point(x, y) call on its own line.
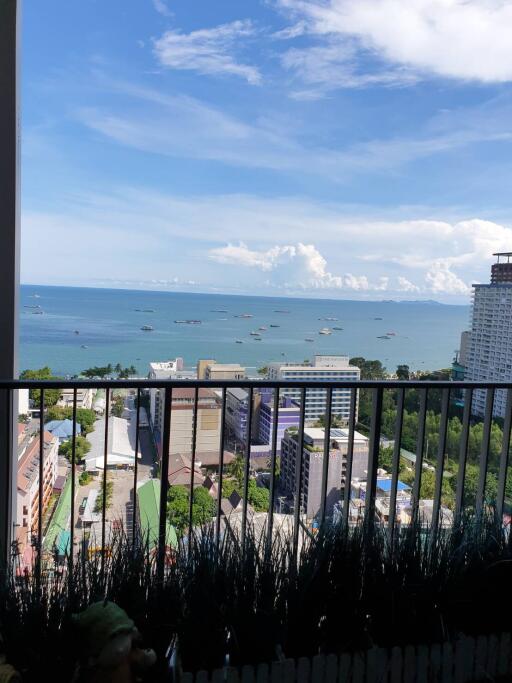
point(488, 356)
point(322, 368)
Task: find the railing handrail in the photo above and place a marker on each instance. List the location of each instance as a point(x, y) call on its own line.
point(243, 383)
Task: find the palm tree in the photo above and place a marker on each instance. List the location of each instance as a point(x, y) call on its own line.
point(237, 469)
point(118, 369)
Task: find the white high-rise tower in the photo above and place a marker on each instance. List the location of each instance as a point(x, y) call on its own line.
point(489, 356)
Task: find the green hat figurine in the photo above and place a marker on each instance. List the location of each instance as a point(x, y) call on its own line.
point(111, 645)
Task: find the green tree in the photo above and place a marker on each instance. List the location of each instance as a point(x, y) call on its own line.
point(51, 396)
point(82, 447)
point(370, 369)
point(84, 478)
point(109, 487)
point(263, 370)
point(118, 368)
point(237, 469)
point(117, 407)
point(403, 372)
point(203, 506)
point(178, 506)
point(386, 458)
point(98, 371)
point(258, 497)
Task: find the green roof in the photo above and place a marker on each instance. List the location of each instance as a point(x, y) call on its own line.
point(63, 543)
point(61, 517)
point(148, 500)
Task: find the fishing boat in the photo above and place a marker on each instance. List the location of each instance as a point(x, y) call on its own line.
point(218, 310)
point(147, 328)
point(84, 346)
point(308, 339)
point(277, 311)
point(383, 336)
point(244, 315)
point(275, 326)
point(337, 328)
point(76, 331)
point(332, 319)
point(34, 306)
point(325, 330)
point(391, 334)
point(239, 341)
point(255, 334)
point(37, 312)
point(262, 328)
point(148, 310)
point(378, 318)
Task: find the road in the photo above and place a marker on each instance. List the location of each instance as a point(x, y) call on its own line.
point(121, 509)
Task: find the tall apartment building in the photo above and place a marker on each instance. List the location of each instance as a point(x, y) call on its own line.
point(322, 368)
point(488, 355)
point(237, 405)
point(28, 479)
point(170, 369)
point(210, 369)
point(288, 416)
point(313, 463)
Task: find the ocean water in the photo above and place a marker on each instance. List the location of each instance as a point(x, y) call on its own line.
point(425, 334)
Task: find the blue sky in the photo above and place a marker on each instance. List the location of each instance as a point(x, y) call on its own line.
point(337, 148)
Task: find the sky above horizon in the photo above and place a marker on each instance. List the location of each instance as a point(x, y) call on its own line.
point(328, 148)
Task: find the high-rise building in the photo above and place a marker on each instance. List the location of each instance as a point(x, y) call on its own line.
point(210, 369)
point(322, 368)
point(313, 463)
point(488, 356)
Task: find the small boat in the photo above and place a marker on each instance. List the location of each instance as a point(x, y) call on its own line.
point(337, 328)
point(37, 312)
point(275, 326)
point(258, 339)
point(334, 319)
point(36, 296)
point(147, 328)
point(378, 318)
point(262, 328)
point(325, 330)
point(244, 315)
point(148, 310)
point(391, 334)
point(277, 311)
point(138, 310)
point(218, 310)
point(255, 334)
point(84, 346)
point(308, 339)
point(221, 318)
point(76, 331)
point(383, 336)
point(35, 306)
point(238, 341)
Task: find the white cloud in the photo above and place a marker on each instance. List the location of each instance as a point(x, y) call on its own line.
point(334, 65)
point(208, 51)
point(448, 38)
point(365, 255)
point(405, 285)
point(299, 266)
point(162, 8)
point(441, 279)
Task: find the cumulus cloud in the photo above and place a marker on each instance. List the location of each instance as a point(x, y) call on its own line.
point(405, 285)
point(448, 38)
point(440, 279)
point(294, 266)
point(208, 51)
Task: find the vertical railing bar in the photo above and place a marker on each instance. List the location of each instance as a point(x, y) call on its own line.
point(73, 475)
point(505, 447)
point(484, 454)
point(463, 454)
point(40, 488)
point(395, 467)
point(373, 456)
point(273, 459)
point(350, 455)
point(420, 448)
point(193, 465)
point(104, 496)
point(298, 473)
point(164, 484)
point(441, 450)
point(221, 468)
point(327, 448)
point(136, 470)
point(247, 466)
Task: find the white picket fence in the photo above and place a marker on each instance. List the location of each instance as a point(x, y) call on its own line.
point(486, 658)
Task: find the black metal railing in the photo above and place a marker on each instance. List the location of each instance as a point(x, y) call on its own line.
point(376, 501)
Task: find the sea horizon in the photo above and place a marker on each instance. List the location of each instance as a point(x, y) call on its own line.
point(80, 327)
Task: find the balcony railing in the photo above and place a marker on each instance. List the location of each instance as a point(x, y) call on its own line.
point(376, 496)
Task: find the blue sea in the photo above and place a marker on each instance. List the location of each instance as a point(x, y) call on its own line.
point(425, 335)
